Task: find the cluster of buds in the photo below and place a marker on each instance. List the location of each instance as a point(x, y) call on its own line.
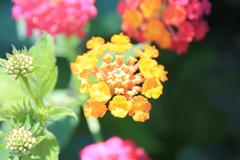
point(172, 24)
point(20, 141)
point(117, 81)
point(19, 63)
point(66, 17)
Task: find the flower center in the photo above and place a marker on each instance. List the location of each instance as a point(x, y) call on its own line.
point(122, 79)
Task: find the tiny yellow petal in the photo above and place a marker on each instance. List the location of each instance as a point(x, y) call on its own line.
point(95, 42)
point(119, 43)
point(120, 39)
point(152, 88)
point(146, 67)
point(140, 116)
point(149, 52)
point(100, 92)
point(119, 106)
point(84, 63)
point(162, 73)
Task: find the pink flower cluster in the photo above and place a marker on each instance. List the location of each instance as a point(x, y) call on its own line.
point(113, 149)
point(191, 26)
point(172, 24)
point(66, 17)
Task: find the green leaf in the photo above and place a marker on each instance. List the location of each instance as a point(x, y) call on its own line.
point(57, 113)
point(64, 128)
point(1, 134)
point(3, 152)
point(47, 149)
point(5, 113)
point(40, 139)
point(11, 90)
point(44, 78)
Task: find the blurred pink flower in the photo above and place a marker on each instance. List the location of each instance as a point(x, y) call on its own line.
point(172, 24)
point(67, 17)
point(185, 32)
point(179, 46)
point(201, 29)
point(113, 149)
point(194, 9)
point(178, 2)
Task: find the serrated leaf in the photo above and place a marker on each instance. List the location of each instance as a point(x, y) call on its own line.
point(44, 78)
point(46, 83)
point(56, 113)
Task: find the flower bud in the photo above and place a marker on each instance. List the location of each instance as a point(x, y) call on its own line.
point(20, 141)
point(19, 63)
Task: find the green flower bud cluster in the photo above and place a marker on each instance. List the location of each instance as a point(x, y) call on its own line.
point(20, 141)
point(19, 64)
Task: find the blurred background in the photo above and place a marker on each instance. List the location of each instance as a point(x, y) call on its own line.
point(197, 117)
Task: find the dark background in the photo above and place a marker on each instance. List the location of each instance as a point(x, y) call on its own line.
point(197, 117)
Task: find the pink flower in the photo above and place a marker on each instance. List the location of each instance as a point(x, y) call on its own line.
point(126, 4)
point(174, 15)
point(185, 32)
point(201, 28)
point(207, 7)
point(179, 46)
point(113, 149)
point(171, 24)
point(194, 9)
point(179, 2)
point(66, 17)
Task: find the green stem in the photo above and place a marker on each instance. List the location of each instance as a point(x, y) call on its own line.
point(27, 85)
point(95, 129)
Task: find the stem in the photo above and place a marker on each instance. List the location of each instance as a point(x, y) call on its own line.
point(27, 85)
point(95, 129)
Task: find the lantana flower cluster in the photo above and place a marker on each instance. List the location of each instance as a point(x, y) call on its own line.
point(117, 81)
point(172, 24)
point(20, 141)
point(113, 148)
point(67, 17)
point(18, 64)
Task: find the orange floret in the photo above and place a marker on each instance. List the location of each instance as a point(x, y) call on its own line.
point(140, 109)
point(133, 18)
point(94, 108)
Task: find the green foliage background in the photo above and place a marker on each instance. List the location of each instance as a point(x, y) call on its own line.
point(197, 117)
